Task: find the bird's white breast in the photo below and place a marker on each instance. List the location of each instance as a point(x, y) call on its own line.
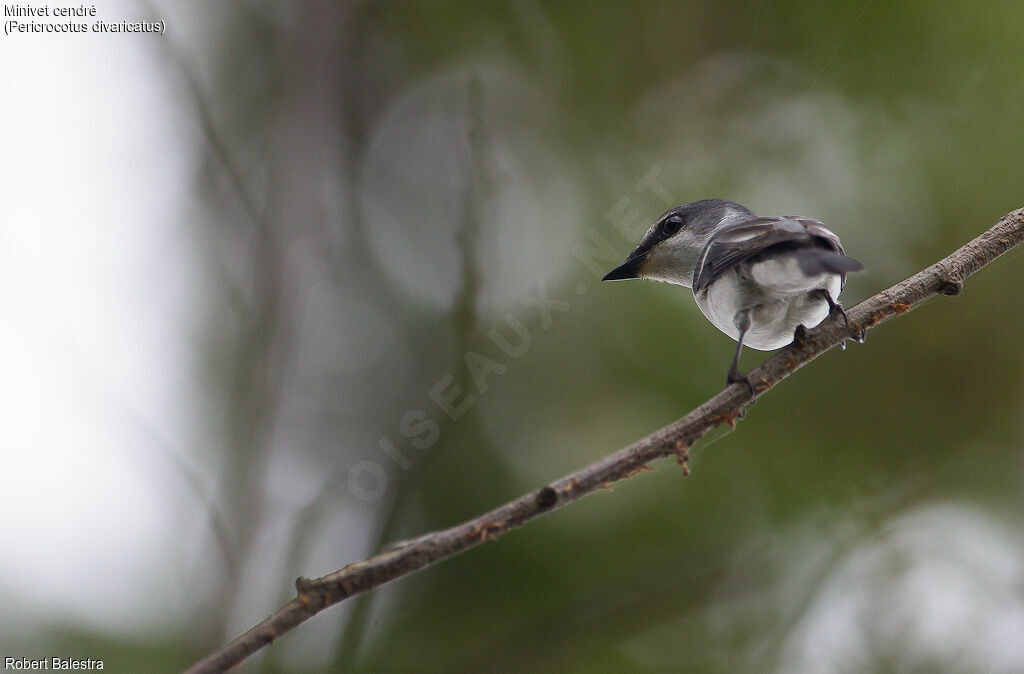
point(778, 300)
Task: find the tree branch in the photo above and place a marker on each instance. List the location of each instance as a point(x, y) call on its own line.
point(944, 277)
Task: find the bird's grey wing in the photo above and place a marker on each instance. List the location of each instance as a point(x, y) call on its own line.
point(739, 243)
point(818, 230)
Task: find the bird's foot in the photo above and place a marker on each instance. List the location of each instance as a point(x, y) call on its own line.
point(800, 334)
point(859, 336)
point(835, 308)
point(734, 376)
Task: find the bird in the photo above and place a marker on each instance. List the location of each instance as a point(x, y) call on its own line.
point(757, 279)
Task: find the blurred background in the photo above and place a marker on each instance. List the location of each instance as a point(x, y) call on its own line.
point(296, 280)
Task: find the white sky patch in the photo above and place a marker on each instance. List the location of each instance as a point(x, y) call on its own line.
point(95, 285)
point(939, 584)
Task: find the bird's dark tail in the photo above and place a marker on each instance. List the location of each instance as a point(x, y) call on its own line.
point(814, 261)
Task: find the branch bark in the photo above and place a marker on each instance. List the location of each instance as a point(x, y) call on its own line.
point(945, 277)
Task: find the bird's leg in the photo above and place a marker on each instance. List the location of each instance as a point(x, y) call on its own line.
point(734, 375)
point(835, 308)
point(800, 334)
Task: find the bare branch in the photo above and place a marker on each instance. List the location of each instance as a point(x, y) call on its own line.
point(944, 277)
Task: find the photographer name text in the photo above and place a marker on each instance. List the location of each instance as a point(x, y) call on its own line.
point(54, 663)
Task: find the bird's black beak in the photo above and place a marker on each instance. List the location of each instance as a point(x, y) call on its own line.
point(627, 270)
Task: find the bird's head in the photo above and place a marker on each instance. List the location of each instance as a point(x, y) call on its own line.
point(669, 250)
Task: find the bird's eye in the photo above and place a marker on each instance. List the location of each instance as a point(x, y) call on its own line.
point(671, 225)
